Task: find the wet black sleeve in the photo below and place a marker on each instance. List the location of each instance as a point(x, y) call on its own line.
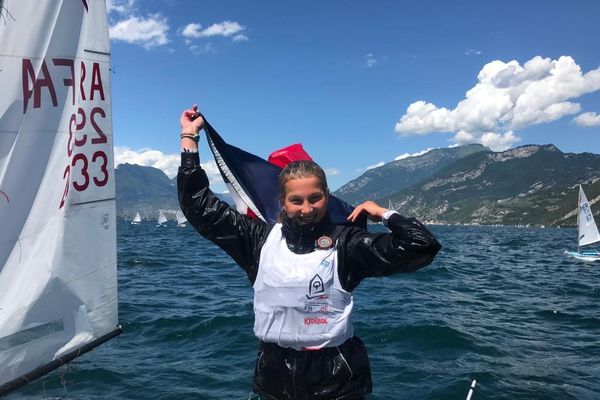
point(408, 247)
point(239, 235)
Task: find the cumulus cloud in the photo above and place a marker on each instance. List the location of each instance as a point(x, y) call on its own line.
point(148, 32)
point(332, 171)
point(225, 29)
point(587, 119)
point(240, 38)
point(407, 155)
point(168, 163)
point(507, 97)
point(120, 6)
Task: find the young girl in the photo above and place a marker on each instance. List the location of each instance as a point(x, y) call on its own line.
point(303, 271)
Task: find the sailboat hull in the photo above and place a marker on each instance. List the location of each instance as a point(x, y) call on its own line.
point(584, 255)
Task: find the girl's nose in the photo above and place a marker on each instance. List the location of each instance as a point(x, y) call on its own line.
point(306, 209)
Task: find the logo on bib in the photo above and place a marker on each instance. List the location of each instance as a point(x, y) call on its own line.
point(316, 287)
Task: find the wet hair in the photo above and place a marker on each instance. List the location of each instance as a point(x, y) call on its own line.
point(301, 169)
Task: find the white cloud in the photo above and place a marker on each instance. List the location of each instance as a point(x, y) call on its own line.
point(407, 155)
point(587, 119)
point(370, 60)
point(499, 141)
point(168, 163)
point(507, 97)
point(332, 172)
point(148, 32)
point(191, 30)
point(240, 38)
point(471, 52)
point(120, 6)
point(225, 29)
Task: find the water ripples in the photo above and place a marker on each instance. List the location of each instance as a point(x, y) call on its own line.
point(500, 305)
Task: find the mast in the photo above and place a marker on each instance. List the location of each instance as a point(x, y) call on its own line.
point(578, 216)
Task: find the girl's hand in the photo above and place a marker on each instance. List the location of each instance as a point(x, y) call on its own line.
point(191, 121)
point(374, 211)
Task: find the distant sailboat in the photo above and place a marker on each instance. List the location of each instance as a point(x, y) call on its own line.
point(137, 219)
point(58, 259)
point(161, 219)
point(587, 231)
point(181, 220)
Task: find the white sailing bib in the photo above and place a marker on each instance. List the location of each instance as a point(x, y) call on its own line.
point(298, 299)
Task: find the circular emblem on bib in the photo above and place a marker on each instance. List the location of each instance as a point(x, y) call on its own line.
point(324, 242)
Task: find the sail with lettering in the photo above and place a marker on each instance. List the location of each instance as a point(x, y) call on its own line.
point(587, 231)
point(58, 281)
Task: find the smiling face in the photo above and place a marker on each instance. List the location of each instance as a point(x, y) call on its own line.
point(304, 200)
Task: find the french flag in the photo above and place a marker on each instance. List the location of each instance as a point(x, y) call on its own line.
point(253, 181)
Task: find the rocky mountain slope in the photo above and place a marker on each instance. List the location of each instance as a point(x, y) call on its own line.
point(526, 185)
point(397, 175)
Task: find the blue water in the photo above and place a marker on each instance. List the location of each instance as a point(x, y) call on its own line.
point(501, 305)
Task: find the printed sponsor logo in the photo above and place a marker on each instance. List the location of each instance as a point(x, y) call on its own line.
point(318, 304)
point(316, 287)
point(315, 321)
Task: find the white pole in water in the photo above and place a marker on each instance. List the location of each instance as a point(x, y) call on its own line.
point(471, 389)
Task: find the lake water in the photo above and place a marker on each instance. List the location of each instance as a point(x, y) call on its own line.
point(501, 305)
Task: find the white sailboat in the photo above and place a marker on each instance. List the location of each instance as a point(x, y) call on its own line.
point(137, 219)
point(162, 219)
point(58, 260)
point(181, 220)
point(587, 231)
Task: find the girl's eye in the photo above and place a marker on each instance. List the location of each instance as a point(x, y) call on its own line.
point(315, 198)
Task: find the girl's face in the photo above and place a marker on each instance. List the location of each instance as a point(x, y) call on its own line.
point(304, 200)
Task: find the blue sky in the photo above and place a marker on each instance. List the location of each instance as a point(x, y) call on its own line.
point(358, 83)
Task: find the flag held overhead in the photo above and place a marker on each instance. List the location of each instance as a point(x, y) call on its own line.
point(253, 181)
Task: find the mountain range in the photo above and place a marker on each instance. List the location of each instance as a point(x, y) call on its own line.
point(532, 184)
point(147, 190)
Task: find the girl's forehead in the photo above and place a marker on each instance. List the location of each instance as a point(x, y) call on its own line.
point(305, 184)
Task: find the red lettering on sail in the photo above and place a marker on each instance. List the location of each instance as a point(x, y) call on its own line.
point(81, 80)
point(46, 78)
point(67, 62)
point(96, 82)
point(37, 83)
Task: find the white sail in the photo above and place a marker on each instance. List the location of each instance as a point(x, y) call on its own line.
point(58, 283)
point(137, 219)
point(161, 218)
point(588, 231)
point(181, 220)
